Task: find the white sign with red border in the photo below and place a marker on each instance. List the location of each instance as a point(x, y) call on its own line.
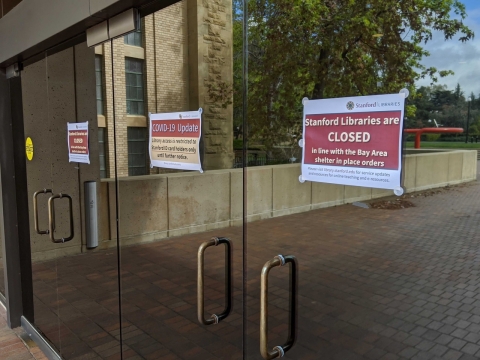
point(354, 141)
point(77, 138)
point(174, 140)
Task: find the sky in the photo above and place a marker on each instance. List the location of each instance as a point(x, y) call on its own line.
point(462, 58)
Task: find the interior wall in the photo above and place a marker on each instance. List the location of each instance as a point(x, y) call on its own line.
point(57, 90)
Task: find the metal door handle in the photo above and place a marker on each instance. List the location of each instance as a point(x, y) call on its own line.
point(214, 319)
point(35, 210)
point(277, 351)
point(51, 217)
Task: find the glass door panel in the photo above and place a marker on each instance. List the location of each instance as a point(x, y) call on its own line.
point(383, 279)
point(179, 230)
point(36, 111)
point(2, 272)
point(75, 271)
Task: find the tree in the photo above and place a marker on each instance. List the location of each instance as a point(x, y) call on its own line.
point(423, 104)
point(332, 48)
point(442, 97)
point(458, 94)
point(472, 97)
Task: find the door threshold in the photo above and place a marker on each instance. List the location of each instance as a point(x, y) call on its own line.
point(41, 342)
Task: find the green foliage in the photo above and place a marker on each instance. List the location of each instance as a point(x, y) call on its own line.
point(237, 144)
point(335, 48)
point(449, 108)
point(433, 137)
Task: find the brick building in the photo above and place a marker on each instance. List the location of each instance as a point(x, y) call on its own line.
point(155, 70)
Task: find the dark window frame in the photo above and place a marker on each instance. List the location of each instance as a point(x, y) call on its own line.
point(134, 38)
point(137, 155)
point(135, 84)
point(99, 85)
point(102, 152)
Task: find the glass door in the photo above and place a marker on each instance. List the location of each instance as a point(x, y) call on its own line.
point(74, 260)
point(133, 260)
point(180, 226)
point(339, 266)
point(202, 226)
point(2, 273)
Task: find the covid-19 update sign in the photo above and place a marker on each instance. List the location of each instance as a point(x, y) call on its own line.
point(175, 140)
point(354, 141)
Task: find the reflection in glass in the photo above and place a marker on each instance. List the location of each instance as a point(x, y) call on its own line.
point(137, 151)
point(134, 83)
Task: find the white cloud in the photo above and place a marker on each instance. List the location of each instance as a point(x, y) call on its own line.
point(462, 58)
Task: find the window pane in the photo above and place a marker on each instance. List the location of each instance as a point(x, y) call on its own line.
point(99, 83)
point(102, 152)
point(127, 39)
point(98, 62)
point(137, 150)
point(134, 84)
point(139, 93)
point(134, 38)
point(141, 108)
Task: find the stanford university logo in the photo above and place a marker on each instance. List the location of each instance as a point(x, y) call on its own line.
point(350, 105)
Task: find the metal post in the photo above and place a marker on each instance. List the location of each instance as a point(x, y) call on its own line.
point(468, 121)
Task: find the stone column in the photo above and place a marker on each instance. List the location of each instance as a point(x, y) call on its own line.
point(210, 47)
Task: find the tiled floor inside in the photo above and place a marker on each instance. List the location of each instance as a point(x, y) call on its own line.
point(373, 284)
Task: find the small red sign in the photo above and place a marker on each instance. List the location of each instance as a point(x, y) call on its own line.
point(78, 142)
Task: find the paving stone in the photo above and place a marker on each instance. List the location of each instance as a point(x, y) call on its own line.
point(438, 350)
point(425, 345)
point(472, 337)
point(457, 344)
point(12, 347)
point(470, 349)
point(452, 355)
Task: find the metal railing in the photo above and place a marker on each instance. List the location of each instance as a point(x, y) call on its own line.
point(258, 159)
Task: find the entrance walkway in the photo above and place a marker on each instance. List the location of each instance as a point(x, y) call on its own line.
point(373, 284)
point(383, 284)
point(11, 345)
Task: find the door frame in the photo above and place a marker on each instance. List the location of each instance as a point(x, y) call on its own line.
point(15, 217)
